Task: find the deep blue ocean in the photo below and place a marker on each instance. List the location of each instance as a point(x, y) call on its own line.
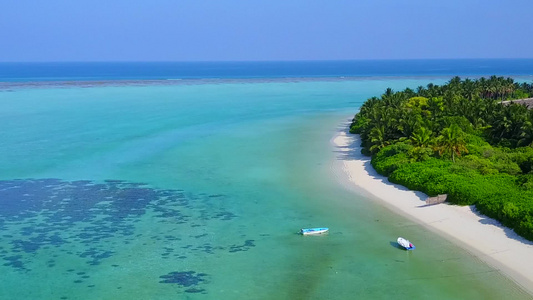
point(192, 180)
point(65, 71)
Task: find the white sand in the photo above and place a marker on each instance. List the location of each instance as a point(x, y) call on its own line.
point(493, 243)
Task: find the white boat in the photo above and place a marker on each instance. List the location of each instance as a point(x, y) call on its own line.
point(312, 231)
point(406, 244)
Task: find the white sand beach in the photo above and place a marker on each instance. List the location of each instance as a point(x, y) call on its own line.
point(497, 245)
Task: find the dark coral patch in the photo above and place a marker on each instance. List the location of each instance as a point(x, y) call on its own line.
point(15, 262)
point(194, 290)
point(245, 247)
point(26, 246)
point(184, 279)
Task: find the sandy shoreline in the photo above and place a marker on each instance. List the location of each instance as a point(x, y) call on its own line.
point(498, 246)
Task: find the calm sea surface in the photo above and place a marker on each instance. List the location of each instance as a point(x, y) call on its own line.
point(196, 190)
point(308, 69)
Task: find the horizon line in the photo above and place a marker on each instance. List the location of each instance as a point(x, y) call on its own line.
point(264, 61)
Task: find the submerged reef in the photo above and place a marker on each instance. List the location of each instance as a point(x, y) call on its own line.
point(92, 222)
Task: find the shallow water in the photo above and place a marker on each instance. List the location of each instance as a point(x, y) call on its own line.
point(197, 192)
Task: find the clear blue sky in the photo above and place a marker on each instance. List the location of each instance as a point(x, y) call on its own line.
point(234, 30)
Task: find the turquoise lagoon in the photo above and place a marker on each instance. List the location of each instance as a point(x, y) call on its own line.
point(197, 191)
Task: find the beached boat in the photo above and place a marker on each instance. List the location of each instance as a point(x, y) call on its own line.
point(405, 243)
point(311, 231)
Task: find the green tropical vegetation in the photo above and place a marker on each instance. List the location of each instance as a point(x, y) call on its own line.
point(464, 138)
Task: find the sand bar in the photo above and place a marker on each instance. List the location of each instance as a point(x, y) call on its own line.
point(484, 237)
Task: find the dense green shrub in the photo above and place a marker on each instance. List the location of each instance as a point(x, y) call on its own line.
point(428, 176)
point(525, 227)
point(482, 165)
point(476, 145)
point(525, 182)
point(524, 158)
point(390, 158)
point(460, 121)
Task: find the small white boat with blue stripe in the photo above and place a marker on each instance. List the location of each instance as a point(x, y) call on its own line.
point(314, 231)
point(406, 244)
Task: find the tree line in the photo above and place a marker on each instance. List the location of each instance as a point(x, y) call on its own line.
point(459, 139)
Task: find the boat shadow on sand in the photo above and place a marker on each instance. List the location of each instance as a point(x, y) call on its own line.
point(396, 245)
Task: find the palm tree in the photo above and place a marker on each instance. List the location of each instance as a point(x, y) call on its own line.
point(435, 106)
point(388, 92)
point(526, 134)
point(394, 100)
point(509, 86)
point(482, 85)
point(421, 91)
point(454, 82)
point(377, 138)
point(407, 123)
point(421, 137)
point(409, 93)
point(470, 90)
point(511, 122)
point(451, 141)
point(432, 90)
point(452, 89)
